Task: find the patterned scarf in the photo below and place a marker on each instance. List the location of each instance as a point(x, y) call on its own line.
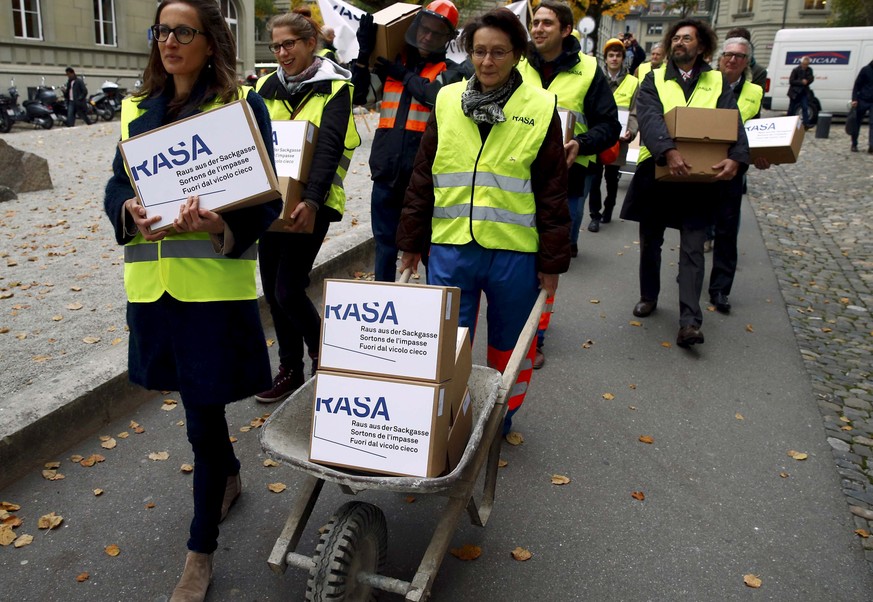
point(487, 107)
point(293, 83)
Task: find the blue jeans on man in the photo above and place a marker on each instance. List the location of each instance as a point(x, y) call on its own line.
point(860, 110)
point(802, 101)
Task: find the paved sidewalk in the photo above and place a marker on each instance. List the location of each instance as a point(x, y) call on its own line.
point(722, 497)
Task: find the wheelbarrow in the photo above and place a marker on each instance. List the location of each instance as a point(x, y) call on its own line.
point(353, 546)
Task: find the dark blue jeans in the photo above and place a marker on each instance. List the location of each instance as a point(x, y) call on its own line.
point(801, 101)
point(860, 111)
point(214, 461)
point(385, 205)
point(576, 211)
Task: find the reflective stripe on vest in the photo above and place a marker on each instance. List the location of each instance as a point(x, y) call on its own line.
point(749, 102)
point(416, 118)
point(625, 91)
point(570, 87)
point(705, 95)
point(483, 192)
point(184, 265)
point(312, 111)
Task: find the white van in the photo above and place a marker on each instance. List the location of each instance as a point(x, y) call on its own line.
point(836, 55)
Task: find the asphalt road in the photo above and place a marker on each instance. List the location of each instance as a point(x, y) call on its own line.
point(723, 499)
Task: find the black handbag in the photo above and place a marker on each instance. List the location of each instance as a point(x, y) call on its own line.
point(851, 121)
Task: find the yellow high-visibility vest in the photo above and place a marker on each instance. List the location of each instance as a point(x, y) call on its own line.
point(184, 265)
point(484, 191)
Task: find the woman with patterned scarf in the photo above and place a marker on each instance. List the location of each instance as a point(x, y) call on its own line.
point(313, 88)
point(489, 192)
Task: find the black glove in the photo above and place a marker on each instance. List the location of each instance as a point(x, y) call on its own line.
point(395, 70)
point(366, 35)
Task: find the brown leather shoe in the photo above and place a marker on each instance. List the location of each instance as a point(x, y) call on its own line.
point(231, 492)
point(644, 308)
point(689, 335)
point(195, 578)
point(285, 383)
point(539, 359)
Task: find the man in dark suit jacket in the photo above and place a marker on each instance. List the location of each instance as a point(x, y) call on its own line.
point(75, 94)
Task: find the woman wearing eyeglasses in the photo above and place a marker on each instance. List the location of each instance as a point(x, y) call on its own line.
point(489, 192)
point(312, 88)
point(192, 300)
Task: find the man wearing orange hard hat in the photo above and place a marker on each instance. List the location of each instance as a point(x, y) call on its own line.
point(411, 81)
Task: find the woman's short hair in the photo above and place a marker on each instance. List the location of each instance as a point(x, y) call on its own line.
point(499, 18)
point(299, 24)
point(219, 74)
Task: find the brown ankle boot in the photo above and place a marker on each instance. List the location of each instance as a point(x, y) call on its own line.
point(231, 493)
point(195, 578)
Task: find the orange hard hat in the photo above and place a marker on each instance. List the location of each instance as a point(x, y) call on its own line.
point(445, 10)
point(613, 43)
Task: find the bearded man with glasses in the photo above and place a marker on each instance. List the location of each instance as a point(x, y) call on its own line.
point(686, 80)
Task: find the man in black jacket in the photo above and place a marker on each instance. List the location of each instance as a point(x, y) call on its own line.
point(75, 94)
point(798, 90)
point(862, 101)
point(411, 81)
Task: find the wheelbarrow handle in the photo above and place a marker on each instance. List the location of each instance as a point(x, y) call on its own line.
point(405, 276)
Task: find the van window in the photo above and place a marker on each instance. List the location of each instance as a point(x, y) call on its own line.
point(265, 68)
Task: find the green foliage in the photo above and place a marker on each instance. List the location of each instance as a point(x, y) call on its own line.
point(848, 13)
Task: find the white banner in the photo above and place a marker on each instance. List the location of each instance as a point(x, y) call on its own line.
point(344, 19)
point(456, 53)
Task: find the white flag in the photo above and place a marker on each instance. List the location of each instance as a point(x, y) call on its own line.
point(522, 10)
point(344, 19)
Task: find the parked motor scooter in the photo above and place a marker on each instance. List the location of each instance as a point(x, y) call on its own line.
point(113, 94)
point(30, 111)
point(48, 96)
point(102, 106)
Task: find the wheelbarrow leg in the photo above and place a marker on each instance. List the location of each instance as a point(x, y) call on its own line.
point(436, 551)
point(479, 513)
point(297, 519)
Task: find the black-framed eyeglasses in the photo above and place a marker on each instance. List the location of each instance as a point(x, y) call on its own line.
point(288, 45)
point(734, 55)
point(182, 33)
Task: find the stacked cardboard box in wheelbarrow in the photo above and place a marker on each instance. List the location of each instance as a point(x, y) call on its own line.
point(391, 390)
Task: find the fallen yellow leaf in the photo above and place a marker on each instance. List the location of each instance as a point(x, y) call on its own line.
point(846, 428)
point(23, 540)
point(112, 550)
point(7, 535)
point(49, 521)
point(410, 499)
point(739, 416)
point(638, 495)
point(666, 344)
point(632, 386)
point(647, 439)
point(277, 487)
point(123, 435)
point(270, 463)
point(752, 580)
point(52, 475)
point(784, 474)
point(608, 396)
point(467, 552)
point(501, 463)
point(521, 554)
point(109, 443)
point(98, 492)
point(52, 465)
point(82, 577)
point(797, 455)
point(245, 429)
point(749, 328)
point(75, 459)
point(57, 318)
point(635, 323)
point(559, 479)
point(844, 419)
point(9, 506)
point(150, 505)
point(74, 306)
point(91, 340)
point(186, 468)
point(158, 456)
point(587, 344)
point(862, 533)
point(514, 438)
point(595, 301)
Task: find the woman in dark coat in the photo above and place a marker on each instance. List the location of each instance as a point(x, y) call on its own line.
point(208, 346)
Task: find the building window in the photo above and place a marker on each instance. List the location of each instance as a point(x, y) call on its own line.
point(815, 4)
point(746, 6)
point(104, 22)
point(28, 22)
point(655, 29)
point(228, 9)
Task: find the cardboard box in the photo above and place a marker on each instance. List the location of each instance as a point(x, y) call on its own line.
point(463, 366)
point(392, 22)
point(568, 123)
point(777, 139)
point(293, 147)
point(701, 156)
point(389, 329)
point(697, 124)
point(379, 425)
point(460, 431)
point(218, 155)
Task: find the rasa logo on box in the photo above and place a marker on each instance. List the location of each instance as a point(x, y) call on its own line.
point(377, 425)
point(393, 330)
point(213, 155)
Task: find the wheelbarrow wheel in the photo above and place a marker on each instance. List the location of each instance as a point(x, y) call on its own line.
point(356, 539)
